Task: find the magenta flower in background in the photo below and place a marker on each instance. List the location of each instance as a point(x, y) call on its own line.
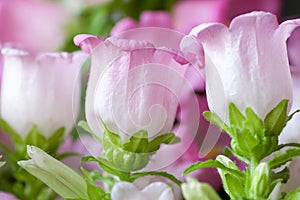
point(252, 50)
point(189, 13)
point(42, 90)
point(159, 19)
point(32, 24)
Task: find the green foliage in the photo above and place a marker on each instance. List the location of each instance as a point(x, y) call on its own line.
point(15, 179)
point(253, 140)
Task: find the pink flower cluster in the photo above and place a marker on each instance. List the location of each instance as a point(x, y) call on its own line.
point(147, 74)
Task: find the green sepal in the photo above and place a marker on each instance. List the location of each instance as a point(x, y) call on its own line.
point(94, 192)
point(167, 138)
point(254, 123)
point(214, 164)
point(236, 118)
point(283, 158)
point(83, 124)
point(276, 120)
point(138, 143)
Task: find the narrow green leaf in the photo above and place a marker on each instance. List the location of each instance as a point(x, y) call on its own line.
point(275, 120)
point(292, 115)
point(215, 119)
point(155, 173)
point(107, 167)
point(283, 158)
point(281, 146)
point(211, 163)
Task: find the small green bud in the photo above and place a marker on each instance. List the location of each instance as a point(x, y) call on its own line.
point(260, 181)
point(232, 184)
point(194, 190)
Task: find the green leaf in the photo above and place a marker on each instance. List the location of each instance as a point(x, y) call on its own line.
point(168, 138)
point(107, 167)
point(283, 158)
point(94, 192)
point(211, 163)
point(236, 118)
point(215, 119)
point(292, 115)
point(294, 195)
point(276, 120)
point(155, 173)
point(138, 143)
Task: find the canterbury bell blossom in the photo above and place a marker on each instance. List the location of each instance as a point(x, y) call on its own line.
point(42, 90)
point(132, 87)
point(246, 63)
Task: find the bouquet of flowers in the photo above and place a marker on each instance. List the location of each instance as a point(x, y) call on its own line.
point(145, 105)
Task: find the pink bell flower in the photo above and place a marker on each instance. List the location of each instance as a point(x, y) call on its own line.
point(42, 90)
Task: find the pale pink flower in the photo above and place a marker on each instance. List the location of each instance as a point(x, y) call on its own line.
point(129, 87)
point(42, 90)
point(246, 63)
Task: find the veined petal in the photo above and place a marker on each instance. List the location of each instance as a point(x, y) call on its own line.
point(249, 56)
point(46, 87)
